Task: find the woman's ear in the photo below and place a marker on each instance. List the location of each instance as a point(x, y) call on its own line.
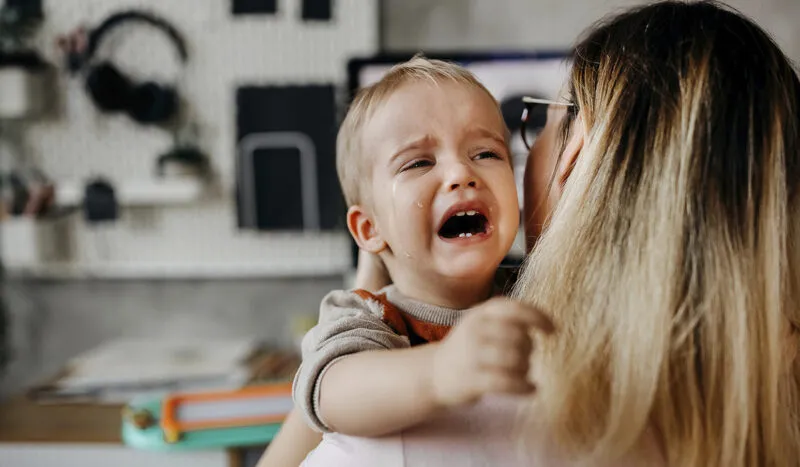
point(569, 157)
point(364, 231)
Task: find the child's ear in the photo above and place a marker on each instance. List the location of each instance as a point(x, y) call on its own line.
point(364, 231)
point(573, 149)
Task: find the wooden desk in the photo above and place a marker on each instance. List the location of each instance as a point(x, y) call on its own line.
point(25, 421)
point(33, 434)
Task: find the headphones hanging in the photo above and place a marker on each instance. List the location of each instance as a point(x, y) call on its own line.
point(110, 88)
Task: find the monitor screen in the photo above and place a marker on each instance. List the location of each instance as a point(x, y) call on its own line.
point(508, 77)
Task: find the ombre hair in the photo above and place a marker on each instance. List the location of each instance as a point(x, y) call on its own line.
point(671, 263)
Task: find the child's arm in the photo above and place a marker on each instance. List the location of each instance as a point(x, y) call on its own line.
point(349, 324)
point(380, 392)
point(292, 444)
point(296, 439)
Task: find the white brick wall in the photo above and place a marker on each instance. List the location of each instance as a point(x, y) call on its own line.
point(202, 239)
point(225, 51)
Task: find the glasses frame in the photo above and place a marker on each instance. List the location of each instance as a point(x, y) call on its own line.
point(529, 102)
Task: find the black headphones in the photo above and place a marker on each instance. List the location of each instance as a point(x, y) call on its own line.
point(113, 91)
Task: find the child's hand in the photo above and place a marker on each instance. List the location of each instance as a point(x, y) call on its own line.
point(488, 352)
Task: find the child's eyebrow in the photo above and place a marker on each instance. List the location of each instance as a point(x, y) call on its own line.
point(421, 142)
point(482, 132)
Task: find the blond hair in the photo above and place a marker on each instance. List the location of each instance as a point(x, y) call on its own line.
point(351, 164)
point(672, 261)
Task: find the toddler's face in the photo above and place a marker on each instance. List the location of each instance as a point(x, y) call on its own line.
point(443, 195)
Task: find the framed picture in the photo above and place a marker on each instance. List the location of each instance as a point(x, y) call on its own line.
point(286, 168)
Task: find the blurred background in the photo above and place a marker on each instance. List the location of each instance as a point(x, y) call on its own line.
point(167, 167)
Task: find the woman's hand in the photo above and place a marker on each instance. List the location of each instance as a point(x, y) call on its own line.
point(371, 274)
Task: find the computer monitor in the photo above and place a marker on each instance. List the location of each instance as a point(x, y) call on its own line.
point(508, 76)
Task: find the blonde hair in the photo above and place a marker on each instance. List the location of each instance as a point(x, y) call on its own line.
point(672, 261)
point(351, 164)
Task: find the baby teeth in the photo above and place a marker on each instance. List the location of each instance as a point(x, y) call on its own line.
point(469, 235)
point(470, 213)
point(459, 214)
point(462, 235)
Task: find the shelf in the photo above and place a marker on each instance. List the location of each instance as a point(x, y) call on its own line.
point(151, 192)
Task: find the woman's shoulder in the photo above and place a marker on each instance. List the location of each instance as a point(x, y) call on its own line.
point(479, 435)
point(337, 450)
point(501, 431)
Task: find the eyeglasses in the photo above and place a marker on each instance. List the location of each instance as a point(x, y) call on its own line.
point(531, 112)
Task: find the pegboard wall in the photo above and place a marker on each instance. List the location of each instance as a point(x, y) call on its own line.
point(225, 52)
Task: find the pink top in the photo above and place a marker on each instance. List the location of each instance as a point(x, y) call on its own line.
point(481, 435)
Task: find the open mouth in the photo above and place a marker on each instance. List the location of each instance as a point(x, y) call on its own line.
point(464, 224)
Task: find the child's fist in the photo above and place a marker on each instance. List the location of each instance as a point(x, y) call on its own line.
point(488, 352)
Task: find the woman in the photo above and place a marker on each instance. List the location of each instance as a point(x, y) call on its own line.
point(671, 263)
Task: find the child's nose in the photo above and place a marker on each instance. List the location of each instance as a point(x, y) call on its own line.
point(460, 176)
point(470, 183)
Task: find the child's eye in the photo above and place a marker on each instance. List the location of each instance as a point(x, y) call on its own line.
point(417, 164)
point(488, 155)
